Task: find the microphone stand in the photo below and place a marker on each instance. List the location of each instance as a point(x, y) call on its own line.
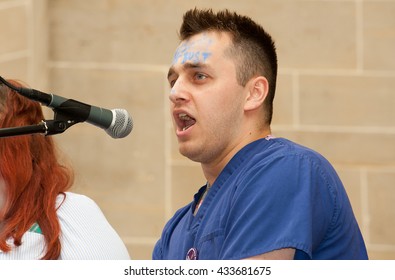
point(14, 131)
point(50, 127)
point(63, 119)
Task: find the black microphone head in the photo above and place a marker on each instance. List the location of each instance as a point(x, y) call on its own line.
point(122, 124)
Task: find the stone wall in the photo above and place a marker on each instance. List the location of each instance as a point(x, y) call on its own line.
point(335, 94)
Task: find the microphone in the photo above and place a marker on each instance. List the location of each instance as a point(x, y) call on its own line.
point(116, 122)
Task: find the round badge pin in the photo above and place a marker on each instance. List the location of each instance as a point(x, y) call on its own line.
point(192, 254)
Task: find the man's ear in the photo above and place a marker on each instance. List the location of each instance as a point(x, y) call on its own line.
point(258, 88)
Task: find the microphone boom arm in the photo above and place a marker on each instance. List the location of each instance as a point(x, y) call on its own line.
point(49, 127)
point(62, 115)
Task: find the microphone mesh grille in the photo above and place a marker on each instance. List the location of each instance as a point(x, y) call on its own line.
point(122, 124)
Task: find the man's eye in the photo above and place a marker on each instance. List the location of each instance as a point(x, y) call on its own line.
point(171, 83)
point(200, 76)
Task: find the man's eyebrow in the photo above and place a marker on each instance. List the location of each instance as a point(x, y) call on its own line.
point(187, 65)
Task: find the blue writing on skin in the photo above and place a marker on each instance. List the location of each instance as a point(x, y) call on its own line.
point(186, 54)
point(192, 56)
point(195, 57)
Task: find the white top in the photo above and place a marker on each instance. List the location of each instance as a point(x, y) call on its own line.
point(85, 234)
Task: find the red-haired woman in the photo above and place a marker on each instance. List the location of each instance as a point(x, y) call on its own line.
point(39, 218)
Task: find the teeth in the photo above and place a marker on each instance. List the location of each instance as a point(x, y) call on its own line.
point(184, 117)
point(187, 121)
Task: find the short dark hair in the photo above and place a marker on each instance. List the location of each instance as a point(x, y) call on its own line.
point(253, 48)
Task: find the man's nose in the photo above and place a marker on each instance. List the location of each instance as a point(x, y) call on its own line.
point(179, 92)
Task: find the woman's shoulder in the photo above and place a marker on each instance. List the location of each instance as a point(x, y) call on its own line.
point(81, 219)
point(78, 209)
point(71, 198)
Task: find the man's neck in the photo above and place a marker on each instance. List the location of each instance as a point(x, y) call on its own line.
point(211, 170)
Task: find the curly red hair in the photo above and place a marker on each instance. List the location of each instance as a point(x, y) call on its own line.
point(32, 174)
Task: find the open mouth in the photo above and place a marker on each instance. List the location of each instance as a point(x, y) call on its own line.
point(185, 121)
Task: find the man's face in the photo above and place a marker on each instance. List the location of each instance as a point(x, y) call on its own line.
point(206, 100)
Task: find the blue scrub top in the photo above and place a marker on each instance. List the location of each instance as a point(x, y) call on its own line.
point(273, 194)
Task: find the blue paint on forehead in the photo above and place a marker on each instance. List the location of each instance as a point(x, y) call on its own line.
point(186, 53)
